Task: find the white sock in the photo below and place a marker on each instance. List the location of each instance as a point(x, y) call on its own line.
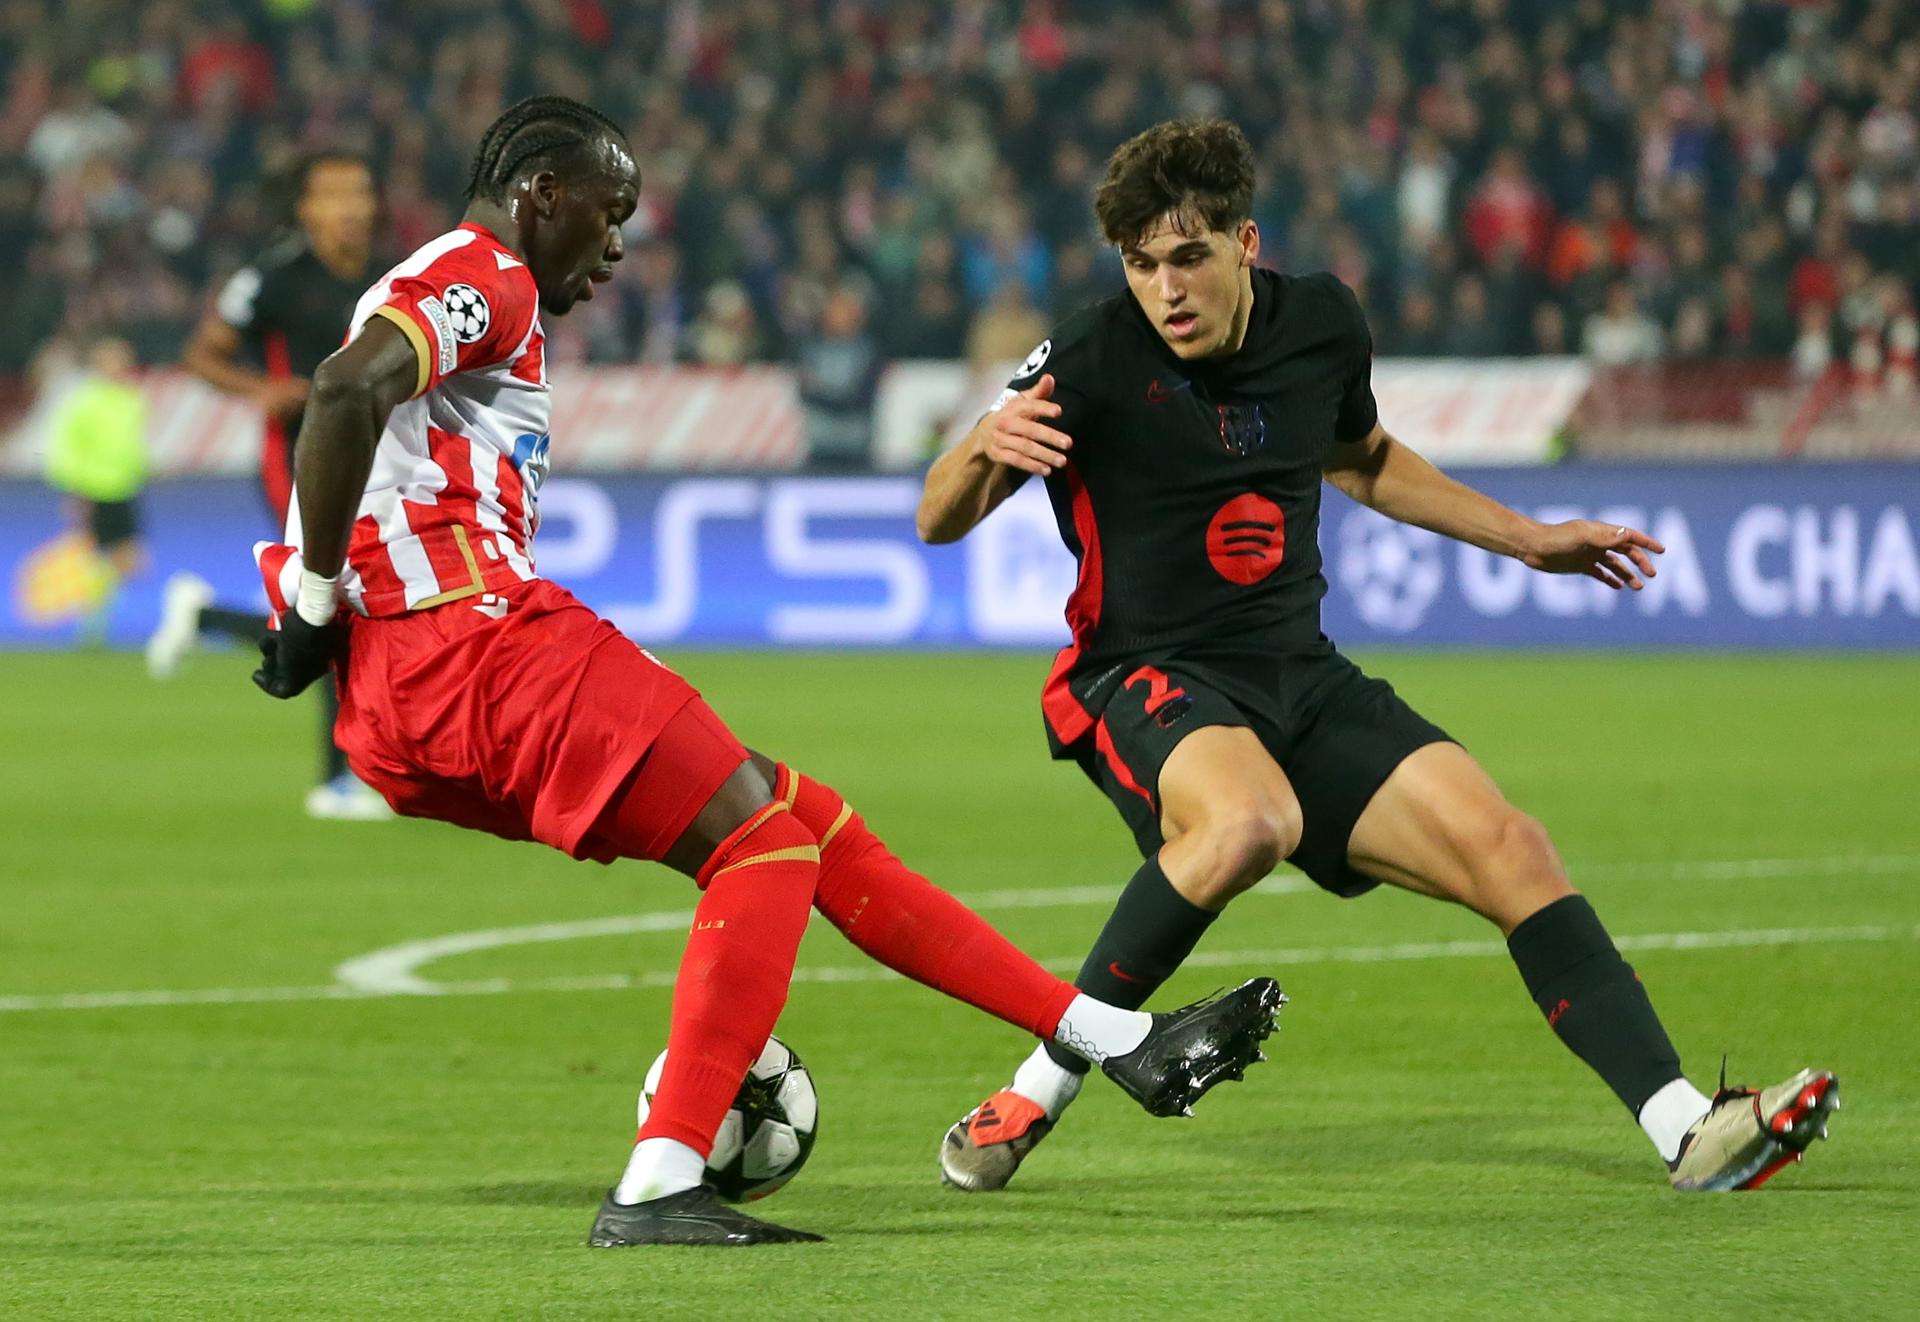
point(1043, 1080)
point(658, 1167)
point(1670, 1113)
point(1097, 1030)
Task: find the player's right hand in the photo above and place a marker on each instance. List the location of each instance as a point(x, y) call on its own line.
point(295, 655)
point(1019, 436)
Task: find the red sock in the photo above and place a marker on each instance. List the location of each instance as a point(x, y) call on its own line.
point(901, 919)
point(733, 977)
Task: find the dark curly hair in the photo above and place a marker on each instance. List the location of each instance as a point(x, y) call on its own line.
point(1199, 171)
point(288, 188)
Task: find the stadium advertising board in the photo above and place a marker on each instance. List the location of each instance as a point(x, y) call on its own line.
point(615, 419)
point(1776, 556)
point(750, 419)
point(1463, 411)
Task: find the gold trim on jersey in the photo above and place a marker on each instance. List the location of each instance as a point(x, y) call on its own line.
point(423, 355)
point(471, 588)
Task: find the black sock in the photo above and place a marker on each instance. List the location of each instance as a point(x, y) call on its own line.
point(333, 761)
point(1150, 931)
point(246, 626)
point(1594, 1000)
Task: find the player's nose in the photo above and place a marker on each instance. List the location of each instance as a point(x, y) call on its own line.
point(616, 244)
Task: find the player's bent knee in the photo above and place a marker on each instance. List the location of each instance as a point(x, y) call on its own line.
point(1524, 848)
point(762, 847)
point(1239, 846)
point(1517, 870)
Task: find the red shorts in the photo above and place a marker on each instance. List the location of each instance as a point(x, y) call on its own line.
point(528, 722)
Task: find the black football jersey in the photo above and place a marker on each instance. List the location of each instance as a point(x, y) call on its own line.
point(291, 311)
point(1192, 494)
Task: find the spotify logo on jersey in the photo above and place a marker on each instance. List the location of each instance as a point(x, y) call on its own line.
point(1246, 539)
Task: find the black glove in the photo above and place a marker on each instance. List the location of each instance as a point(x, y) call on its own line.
point(296, 655)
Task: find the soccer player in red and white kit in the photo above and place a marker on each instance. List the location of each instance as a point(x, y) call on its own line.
point(476, 692)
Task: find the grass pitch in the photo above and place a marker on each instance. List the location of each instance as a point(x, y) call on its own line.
point(1418, 1147)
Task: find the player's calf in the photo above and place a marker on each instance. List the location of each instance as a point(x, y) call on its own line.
point(759, 878)
point(1594, 1001)
point(896, 916)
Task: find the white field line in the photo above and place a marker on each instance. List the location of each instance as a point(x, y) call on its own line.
point(395, 969)
point(1279, 958)
point(392, 971)
point(1749, 869)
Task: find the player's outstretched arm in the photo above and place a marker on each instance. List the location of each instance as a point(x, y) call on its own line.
point(1383, 474)
point(968, 482)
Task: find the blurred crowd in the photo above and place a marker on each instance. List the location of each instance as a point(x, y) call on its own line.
point(834, 183)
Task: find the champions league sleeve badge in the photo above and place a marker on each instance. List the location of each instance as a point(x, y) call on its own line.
point(1035, 361)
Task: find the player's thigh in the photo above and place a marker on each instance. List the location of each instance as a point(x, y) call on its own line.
point(733, 805)
point(1180, 741)
point(695, 786)
point(1440, 826)
point(1231, 815)
point(1225, 773)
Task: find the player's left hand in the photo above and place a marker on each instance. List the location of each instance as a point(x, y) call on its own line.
point(1618, 556)
point(295, 655)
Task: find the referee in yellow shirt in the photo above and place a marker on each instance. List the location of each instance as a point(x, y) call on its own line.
point(98, 457)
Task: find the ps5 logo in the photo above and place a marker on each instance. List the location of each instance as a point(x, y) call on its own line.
point(800, 543)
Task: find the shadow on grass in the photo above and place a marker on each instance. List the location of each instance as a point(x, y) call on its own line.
point(520, 1193)
point(1477, 1141)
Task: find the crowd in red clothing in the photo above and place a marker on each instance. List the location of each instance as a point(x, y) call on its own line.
point(831, 181)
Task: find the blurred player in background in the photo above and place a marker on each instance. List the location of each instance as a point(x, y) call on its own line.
point(1184, 427)
point(271, 325)
point(98, 458)
point(475, 692)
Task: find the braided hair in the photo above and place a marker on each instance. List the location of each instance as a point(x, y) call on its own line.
point(539, 131)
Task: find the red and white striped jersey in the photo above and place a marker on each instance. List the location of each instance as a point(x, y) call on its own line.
point(452, 502)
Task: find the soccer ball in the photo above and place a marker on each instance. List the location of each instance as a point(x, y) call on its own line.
point(766, 1137)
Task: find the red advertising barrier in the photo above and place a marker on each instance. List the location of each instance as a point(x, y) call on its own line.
point(613, 419)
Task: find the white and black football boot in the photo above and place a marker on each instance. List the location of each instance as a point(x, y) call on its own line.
point(1189, 1050)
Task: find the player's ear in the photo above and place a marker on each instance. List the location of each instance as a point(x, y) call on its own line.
point(543, 191)
point(1249, 243)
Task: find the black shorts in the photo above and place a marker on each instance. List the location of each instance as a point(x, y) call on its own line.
point(1336, 732)
point(111, 522)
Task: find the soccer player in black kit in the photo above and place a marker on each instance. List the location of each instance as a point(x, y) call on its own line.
point(271, 325)
point(1183, 428)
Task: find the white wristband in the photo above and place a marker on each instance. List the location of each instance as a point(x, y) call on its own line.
point(317, 602)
